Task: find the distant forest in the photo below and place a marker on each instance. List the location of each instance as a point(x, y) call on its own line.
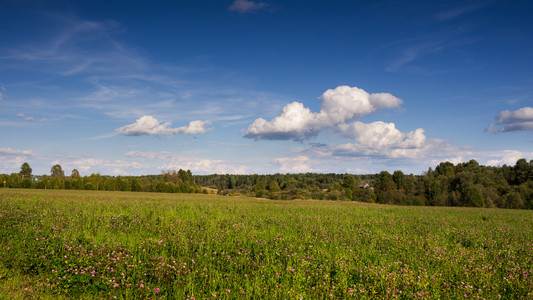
point(464, 184)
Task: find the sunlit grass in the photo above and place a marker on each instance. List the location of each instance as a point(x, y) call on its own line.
point(142, 245)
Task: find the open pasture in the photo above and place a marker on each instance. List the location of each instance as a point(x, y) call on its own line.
point(88, 244)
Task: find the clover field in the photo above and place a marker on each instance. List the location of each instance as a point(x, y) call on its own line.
point(123, 245)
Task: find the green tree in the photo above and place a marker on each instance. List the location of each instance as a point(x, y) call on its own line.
point(57, 177)
point(95, 180)
point(471, 196)
point(75, 174)
point(43, 182)
point(514, 200)
point(348, 182)
point(399, 179)
point(259, 189)
point(25, 174)
point(3, 180)
point(13, 180)
point(75, 180)
point(445, 168)
point(57, 171)
point(522, 171)
point(25, 171)
point(273, 186)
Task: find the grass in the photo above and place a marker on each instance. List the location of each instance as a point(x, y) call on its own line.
point(90, 244)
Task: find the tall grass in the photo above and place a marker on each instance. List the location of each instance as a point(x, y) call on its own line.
point(84, 244)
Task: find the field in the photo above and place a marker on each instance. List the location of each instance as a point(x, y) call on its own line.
point(81, 244)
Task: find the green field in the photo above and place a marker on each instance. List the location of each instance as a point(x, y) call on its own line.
point(90, 244)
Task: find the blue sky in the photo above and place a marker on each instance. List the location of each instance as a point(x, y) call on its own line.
point(239, 86)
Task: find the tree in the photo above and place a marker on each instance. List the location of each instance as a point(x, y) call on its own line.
point(445, 168)
point(25, 174)
point(57, 171)
point(25, 170)
point(471, 196)
point(522, 170)
point(273, 186)
point(75, 180)
point(348, 182)
point(399, 179)
point(75, 174)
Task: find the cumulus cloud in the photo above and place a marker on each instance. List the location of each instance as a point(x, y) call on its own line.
point(246, 6)
point(518, 120)
point(171, 161)
point(148, 125)
point(299, 164)
point(383, 140)
point(295, 121)
point(338, 106)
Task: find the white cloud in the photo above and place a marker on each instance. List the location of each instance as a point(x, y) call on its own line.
point(246, 6)
point(294, 122)
point(380, 139)
point(504, 157)
point(299, 164)
point(148, 125)
point(170, 161)
point(487, 158)
point(381, 136)
point(518, 120)
point(338, 105)
point(12, 159)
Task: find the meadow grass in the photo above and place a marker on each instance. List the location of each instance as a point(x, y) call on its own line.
point(90, 244)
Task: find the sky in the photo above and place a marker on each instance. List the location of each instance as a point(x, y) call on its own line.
point(264, 86)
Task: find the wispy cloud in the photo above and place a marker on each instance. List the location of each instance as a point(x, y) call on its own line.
point(30, 119)
point(4, 152)
point(408, 52)
point(79, 46)
point(458, 11)
point(117, 80)
point(247, 6)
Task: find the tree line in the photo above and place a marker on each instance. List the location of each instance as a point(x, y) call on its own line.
point(168, 182)
point(462, 184)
